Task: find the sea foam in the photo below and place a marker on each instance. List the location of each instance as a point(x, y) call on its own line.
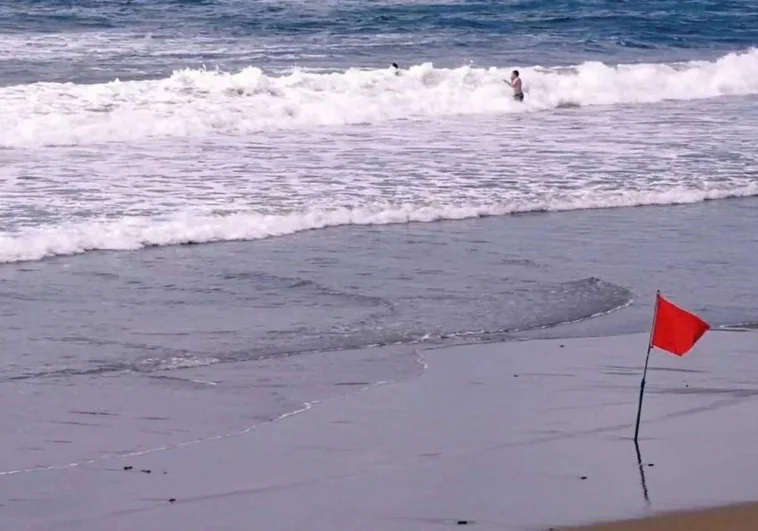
point(134, 233)
point(199, 103)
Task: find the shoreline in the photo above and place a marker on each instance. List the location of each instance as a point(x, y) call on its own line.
point(516, 435)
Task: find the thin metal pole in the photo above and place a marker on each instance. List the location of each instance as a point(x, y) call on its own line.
point(644, 372)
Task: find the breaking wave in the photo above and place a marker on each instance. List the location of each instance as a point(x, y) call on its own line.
point(198, 103)
point(132, 233)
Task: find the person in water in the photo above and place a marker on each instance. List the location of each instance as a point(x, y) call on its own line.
point(515, 83)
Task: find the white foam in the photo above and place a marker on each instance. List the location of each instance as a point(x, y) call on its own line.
point(176, 362)
point(139, 232)
point(198, 103)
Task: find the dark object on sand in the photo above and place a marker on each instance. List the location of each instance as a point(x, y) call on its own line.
point(128, 467)
point(146, 470)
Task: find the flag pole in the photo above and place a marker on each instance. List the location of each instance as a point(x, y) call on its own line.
point(642, 474)
point(644, 372)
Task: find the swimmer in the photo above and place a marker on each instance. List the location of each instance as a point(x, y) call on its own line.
point(515, 82)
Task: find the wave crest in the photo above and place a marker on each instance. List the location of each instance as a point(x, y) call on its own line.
point(134, 233)
point(197, 103)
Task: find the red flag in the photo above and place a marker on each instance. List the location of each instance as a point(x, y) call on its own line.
point(676, 330)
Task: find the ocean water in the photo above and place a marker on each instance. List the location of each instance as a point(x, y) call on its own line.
point(239, 205)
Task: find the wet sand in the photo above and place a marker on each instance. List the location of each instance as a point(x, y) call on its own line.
point(524, 435)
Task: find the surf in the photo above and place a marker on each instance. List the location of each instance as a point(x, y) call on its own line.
point(200, 103)
point(140, 232)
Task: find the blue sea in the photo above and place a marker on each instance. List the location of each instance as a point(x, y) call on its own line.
point(248, 189)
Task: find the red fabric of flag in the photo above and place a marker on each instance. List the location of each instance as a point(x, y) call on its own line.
point(676, 330)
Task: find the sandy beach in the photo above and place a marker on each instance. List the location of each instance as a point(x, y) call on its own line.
point(733, 518)
point(520, 435)
point(377, 265)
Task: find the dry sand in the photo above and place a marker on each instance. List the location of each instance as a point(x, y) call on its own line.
point(732, 518)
